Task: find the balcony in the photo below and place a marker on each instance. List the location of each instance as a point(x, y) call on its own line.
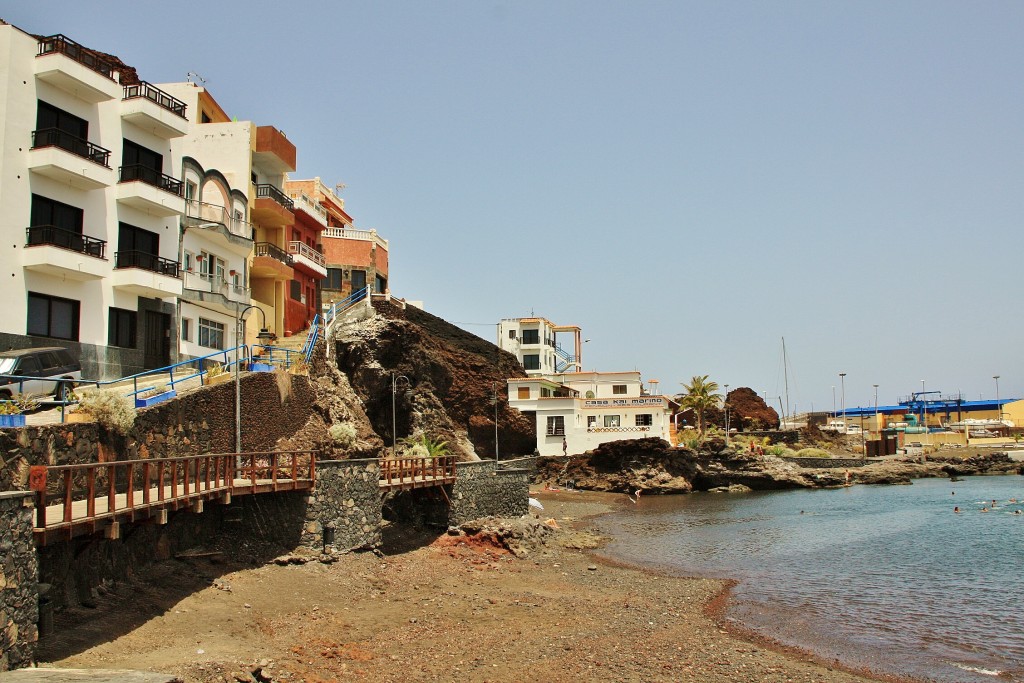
point(354, 234)
point(150, 108)
point(311, 208)
point(210, 290)
point(273, 208)
point(273, 150)
point(219, 226)
point(270, 261)
point(151, 191)
point(65, 64)
point(307, 258)
point(145, 274)
point(69, 159)
point(64, 253)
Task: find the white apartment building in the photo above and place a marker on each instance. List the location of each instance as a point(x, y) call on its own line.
point(91, 203)
point(587, 409)
point(535, 343)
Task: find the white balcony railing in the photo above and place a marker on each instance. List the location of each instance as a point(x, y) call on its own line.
point(311, 207)
point(308, 252)
point(207, 282)
point(202, 215)
point(354, 234)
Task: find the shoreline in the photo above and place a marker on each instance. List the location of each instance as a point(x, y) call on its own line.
point(436, 607)
point(716, 608)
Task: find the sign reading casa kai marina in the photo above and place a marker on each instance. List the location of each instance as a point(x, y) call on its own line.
point(623, 402)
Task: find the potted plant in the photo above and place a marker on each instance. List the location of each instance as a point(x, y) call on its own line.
point(12, 411)
point(151, 397)
point(111, 409)
point(216, 374)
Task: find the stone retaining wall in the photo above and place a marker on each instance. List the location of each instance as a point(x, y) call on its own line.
point(19, 571)
point(828, 463)
point(346, 498)
point(485, 490)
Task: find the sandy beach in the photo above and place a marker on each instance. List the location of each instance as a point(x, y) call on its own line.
point(431, 609)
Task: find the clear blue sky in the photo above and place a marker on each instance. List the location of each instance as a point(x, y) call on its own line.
point(689, 182)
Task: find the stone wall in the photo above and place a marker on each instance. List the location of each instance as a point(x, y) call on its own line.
point(485, 490)
point(346, 498)
point(828, 463)
point(200, 421)
point(19, 607)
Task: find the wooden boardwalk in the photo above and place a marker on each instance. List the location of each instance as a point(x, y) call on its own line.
point(414, 473)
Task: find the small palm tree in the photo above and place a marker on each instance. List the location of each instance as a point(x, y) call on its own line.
point(700, 395)
point(433, 449)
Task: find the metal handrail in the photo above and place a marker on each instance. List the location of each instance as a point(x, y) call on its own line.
point(63, 45)
point(339, 307)
point(274, 252)
point(155, 95)
point(150, 176)
point(267, 191)
point(197, 213)
point(66, 239)
point(146, 261)
point(296, 248)
point(55, 137)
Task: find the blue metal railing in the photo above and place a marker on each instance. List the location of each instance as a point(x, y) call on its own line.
point(274, 355)
point(311, 338)
point(339, 307)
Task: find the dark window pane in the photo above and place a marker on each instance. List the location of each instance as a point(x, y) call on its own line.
point(38, 315)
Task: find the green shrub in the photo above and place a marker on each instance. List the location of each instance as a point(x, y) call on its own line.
point(343, 434)
point(111, 409)
point(813, 453)
point(423, 446)
point(780, 450)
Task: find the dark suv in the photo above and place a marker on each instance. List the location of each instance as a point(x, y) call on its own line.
point(50, 362)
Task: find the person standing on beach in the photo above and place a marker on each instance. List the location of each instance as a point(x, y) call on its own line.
point(565, 447)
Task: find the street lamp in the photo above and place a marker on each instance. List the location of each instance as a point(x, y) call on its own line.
point(725, 405)
point(999, 408)
point(263, 336)
point(834, 414)
point(842, 382)
point(395, 379)
point(494, 399)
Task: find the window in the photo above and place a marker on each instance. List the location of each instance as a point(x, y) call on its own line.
point(211, 334)
point(134, 154)
point(205, 118)
point(190, 190)
point(511, 334)
point(131, 238)
point(51, 316)
point(333, 279)
point(531, 337)
point(611, 421)
point(556, 425)
point(255, 178)
point(591, 422)
point(121, 326)
point(524, 392)
point(545, 393)
point(49, 116)
point(618, 388)
point(47, 211)
point(186, 329)
point(188, 260)
point(531, 362)
point(644, 420)
point(296, 290)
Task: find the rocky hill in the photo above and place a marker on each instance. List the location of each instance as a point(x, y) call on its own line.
point(451, 379)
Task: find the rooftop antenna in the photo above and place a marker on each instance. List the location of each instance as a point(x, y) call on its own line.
point(192, 74)
point(338, 187)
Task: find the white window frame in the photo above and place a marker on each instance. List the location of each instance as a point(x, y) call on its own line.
point(209, 331)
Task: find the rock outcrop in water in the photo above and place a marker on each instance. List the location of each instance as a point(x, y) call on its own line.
point(654, 466)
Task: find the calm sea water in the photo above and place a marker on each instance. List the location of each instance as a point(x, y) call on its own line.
point(883, 576)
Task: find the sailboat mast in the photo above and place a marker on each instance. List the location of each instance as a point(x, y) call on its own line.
point(785, 373)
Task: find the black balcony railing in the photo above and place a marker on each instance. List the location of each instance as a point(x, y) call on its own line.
point(274, 252)
point(66, 239)
point(146, 261)
point(152, 177)
point(64, 45)
point(156, 95)
point(271, 192)
point(55, 137)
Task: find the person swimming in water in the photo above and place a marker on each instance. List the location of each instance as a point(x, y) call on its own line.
point(956, 509)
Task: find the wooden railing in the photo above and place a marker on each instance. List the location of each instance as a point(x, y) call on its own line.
point(417, 472)
point(81, 498)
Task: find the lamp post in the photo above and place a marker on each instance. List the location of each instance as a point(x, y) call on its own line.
point(395, 379)
point(725, 405)
point(263, 336)
point(494, 399)
point(924, 410)
point(834, 414)
point(842, 383)
point(877, 426)
point(999, 408)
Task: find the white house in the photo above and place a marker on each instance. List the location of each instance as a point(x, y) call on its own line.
point(91, 205)
point(587, 409)
point(535, 342)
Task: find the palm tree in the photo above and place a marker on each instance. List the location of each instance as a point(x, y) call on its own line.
point(700, 395)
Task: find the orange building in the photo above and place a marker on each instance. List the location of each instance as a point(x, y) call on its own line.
point(354, 259)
